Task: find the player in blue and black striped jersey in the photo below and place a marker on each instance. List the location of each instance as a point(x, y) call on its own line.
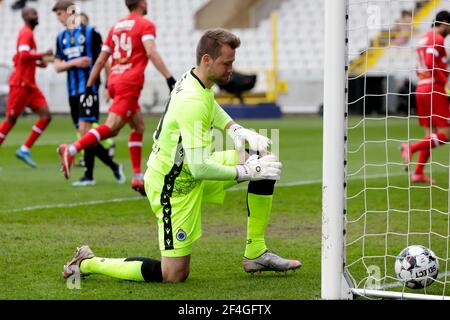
point(77, 49)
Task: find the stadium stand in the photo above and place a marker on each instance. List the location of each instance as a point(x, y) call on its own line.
point(300, 43)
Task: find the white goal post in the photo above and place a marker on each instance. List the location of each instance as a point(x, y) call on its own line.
point(337, 282)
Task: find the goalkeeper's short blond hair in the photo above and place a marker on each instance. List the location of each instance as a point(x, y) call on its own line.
point(212, 41)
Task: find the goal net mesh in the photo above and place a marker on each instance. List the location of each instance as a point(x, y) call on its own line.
point(385, 210)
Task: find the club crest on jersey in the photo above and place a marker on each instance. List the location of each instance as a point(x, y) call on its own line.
point(81, 39)
point(181, 235)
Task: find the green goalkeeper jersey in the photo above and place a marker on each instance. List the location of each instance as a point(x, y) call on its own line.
point(187, 123)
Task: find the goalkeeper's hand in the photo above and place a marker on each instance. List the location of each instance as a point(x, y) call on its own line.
point(171, 83)
point(255, 169)
point(87, 98)
point(256, 141)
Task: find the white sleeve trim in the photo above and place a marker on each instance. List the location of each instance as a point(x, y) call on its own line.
point(148, 37)
point(433, 51)
point(24, 47)
point(106, 48)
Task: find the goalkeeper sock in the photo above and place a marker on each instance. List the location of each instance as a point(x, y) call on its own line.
point(134, 269)
point(424, 155)
point(259, 204)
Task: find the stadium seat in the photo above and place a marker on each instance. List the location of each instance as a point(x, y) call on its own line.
point(300, 33)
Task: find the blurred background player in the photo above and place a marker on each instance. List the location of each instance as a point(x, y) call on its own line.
point(131, 43)
point(183, 172)
point(77, 48)
point(23, 89)
point(432, 102)
point(108, 144)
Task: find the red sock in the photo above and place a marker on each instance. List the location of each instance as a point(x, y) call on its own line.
point(429, 142)
point(135, 146)
point(5, 127)
point(36, 132)
point(424, 144)
point(424, 155)
point(91, 138)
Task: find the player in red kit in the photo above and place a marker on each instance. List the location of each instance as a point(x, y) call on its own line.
point(23, 89)
point(433, 107)
point(131, 43)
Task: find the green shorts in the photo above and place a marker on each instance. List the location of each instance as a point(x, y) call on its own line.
point(179, 217)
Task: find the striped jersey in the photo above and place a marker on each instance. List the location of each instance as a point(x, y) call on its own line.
point(83, 41)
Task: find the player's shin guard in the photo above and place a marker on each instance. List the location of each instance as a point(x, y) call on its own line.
point(36, 132)
point(5, 128)
point(259, 204)
point(133, 269)
point(93, 137)
point(135, 147)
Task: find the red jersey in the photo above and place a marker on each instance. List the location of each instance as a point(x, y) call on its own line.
point(25, 59)
point(125, 43)
point(432, 60)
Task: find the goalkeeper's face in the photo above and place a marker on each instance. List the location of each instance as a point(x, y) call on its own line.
point(221, 68)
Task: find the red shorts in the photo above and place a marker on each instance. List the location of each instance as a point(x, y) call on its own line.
point(125, 100)
point(432, 106)
point(21, 97)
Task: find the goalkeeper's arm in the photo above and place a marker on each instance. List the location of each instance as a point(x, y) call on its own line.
point(254, 169)
point(239, 134)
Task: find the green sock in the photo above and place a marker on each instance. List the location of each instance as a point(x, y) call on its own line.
point(259, 208)
point(116, 268)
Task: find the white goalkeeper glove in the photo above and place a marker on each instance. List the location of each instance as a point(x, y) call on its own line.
point(256, 141)
point(255, 169)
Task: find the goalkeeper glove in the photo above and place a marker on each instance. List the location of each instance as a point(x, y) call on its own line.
point(256, 141)
point(255, 169)
point(171, 83)
point(87, 98)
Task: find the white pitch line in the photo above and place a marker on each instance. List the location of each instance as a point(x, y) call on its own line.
point(118, 200)
point(71, 205)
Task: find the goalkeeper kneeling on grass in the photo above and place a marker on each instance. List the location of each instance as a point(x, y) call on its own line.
point(183, 172)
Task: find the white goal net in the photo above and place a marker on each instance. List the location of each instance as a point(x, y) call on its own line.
point(372, 207)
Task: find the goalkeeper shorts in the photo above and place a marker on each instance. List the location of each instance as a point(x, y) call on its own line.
point(179, 216)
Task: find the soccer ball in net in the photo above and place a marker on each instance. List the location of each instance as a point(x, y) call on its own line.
point(417, 266)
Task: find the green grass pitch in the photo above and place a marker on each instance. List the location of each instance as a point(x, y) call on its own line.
point(43, 218)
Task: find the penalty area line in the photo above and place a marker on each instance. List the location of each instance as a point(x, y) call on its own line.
point(119, 200)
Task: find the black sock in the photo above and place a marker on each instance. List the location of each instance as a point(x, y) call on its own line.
point(104, 156)
point(89, 160)
point(262, 187)
point(150, 269)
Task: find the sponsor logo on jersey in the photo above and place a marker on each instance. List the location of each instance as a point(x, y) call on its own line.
point(81, 39)
point(73, 52)
point(124, 25)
